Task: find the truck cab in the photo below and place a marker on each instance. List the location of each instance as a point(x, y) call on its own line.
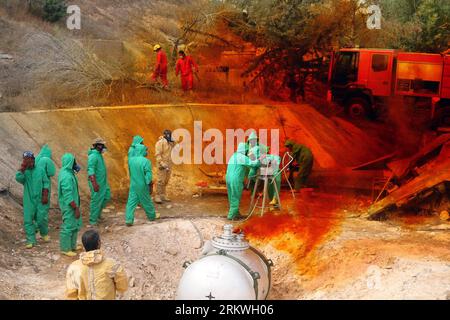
point(359, 78)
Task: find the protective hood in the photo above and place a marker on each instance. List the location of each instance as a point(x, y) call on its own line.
point(91, 257)
point(252, 135)
point(242, 148)
point(92, 150)
point(67, 161)
point(137, 140)
point(45, 152)
point(141, 150)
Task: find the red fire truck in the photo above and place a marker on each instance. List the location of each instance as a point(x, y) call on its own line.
point(363, 80)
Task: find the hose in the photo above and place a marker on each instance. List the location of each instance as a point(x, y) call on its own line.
point(253, 209)
point(202, 241)
point(284, 170)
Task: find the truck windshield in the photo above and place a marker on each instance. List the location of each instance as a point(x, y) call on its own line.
point(345, 68)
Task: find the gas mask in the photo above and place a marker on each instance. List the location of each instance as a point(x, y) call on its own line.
point(168, 135)
point(100, 148)
point(76, 168)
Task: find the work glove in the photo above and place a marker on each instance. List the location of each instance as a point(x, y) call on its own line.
point(76, 209)
point(23, 166)
point(95, 185)
point(44, 196)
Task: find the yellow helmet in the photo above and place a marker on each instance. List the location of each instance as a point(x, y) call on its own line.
point(156, 47)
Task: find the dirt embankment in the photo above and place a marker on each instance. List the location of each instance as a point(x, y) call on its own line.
point(148, 251)
point(335, 143)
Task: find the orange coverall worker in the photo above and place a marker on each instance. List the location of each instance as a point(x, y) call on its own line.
point(161, 67)
point(185, 66)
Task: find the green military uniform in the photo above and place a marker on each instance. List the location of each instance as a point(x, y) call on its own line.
point(68, 192)
point(304, 158)
point(99, 200)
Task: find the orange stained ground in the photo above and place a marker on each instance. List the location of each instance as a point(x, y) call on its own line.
point(298, 231)
point(413, 220)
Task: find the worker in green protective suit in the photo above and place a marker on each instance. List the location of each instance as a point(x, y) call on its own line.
point(254, 152)
point(45, 162)
point(35, 193)
point(137, 140)
point(69, 203)
point(275, 161)
point(237, 170)
point(303, 162)
point(98, 180)
point(141, 185)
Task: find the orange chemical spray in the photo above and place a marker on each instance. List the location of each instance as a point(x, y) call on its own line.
point(298, 231)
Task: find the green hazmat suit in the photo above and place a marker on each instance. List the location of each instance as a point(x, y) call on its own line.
point(68, 192)
point(132, 151)
point(34, 180)
point(304, 158)
point(140, 179)
point(237, 169)
point(254, 153)
point(44, 161)
point(99, 200)
point(137, 140)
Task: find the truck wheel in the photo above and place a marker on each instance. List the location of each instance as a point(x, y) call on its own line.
point(357, 108)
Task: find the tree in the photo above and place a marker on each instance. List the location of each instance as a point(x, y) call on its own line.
point(417, 25)
point(54, 10)
point(434, 21)
point(296, 35)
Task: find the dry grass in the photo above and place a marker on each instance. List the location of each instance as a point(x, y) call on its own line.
point(63, 68)
point(57, 68)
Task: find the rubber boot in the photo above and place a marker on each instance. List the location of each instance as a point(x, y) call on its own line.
point(69, 253)
point(158, 199)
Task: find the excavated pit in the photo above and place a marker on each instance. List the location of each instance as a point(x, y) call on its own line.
point(323, 255)
point(320, 245)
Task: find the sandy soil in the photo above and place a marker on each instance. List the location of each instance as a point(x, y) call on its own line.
point(320, 247)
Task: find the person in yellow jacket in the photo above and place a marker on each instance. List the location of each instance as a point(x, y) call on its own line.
point(93, 276)
point(163, 151)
